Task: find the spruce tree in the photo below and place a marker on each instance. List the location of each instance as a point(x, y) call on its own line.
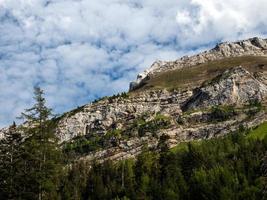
point(41, 151)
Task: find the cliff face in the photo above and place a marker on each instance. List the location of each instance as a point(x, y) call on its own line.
point(234, 87)
point(232, 100)
point(116, 113)
point(250, 47)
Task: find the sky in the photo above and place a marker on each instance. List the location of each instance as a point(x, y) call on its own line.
point(80, 50)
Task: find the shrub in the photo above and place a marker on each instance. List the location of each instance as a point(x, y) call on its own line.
point(82, 145)
point(159, 122)
point(222, 113)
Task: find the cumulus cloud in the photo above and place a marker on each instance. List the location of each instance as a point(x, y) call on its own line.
point(205, 21)
point(79, 50)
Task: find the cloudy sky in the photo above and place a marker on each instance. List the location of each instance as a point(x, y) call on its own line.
point(80, 50)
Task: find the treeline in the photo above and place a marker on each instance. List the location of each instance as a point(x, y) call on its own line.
point(32, 166)
point(225, 168)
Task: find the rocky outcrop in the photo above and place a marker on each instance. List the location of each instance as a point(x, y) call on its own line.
point(234, 87)
point(3, 131)
point(132, 147)
point(190, 113)
point(252, 47)
point(118, 112)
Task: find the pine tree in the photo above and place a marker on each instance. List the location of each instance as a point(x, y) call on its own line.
point(10, 163)
point(41, 151)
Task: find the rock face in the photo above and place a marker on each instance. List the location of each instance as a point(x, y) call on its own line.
point(189, 113)
point(252, 47)
point(234, 87)
point(118, 112)
point(3, 131)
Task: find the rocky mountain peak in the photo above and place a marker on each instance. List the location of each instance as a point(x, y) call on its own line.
point(250, 47)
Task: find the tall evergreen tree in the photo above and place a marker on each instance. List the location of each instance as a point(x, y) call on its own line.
point(41, 151)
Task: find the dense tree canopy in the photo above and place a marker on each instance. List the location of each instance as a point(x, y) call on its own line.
point(222, 168)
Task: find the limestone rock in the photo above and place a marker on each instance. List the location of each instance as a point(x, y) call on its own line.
point(235, 86)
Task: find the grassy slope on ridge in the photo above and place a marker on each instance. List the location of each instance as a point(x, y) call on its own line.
point(196, 75)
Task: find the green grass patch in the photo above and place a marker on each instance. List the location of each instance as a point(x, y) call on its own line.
point(259, 132)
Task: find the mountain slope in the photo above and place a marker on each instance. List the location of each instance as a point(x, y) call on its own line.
point(194, 98)
point(230, 96)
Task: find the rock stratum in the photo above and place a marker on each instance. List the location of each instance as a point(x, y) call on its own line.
point(118, 127)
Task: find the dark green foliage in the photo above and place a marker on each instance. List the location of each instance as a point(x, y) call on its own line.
point(223, 168)
point(41, 153)
point(255, 103)
point(159, 122)
point(255, 106)
point(10, 163)
point(123, 95)
point(222, 113)
point(233, 167)
point(30, 167)
point(89, 143)
point(83, 144)
point(74, 181)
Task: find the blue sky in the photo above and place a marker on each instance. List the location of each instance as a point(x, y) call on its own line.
point(79, 50)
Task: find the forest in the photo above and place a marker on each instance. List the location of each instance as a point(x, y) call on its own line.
point(233, 167)
point(33, 166)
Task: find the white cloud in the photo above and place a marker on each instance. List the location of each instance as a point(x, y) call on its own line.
point(204, 21)
point(80, 50)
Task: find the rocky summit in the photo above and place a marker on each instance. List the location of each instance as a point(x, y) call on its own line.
point(214, 93)
point(250, 47)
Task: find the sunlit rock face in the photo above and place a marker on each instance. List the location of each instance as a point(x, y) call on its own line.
point(235, 86)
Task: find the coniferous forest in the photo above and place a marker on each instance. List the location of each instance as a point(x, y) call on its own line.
point(33, 166)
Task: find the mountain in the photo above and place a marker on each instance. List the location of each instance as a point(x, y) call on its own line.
point(193, 98)
point(194, 128)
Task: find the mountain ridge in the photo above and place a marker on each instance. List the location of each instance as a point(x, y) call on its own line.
point(181, 116)
point(118, 127)
point(253, 46)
